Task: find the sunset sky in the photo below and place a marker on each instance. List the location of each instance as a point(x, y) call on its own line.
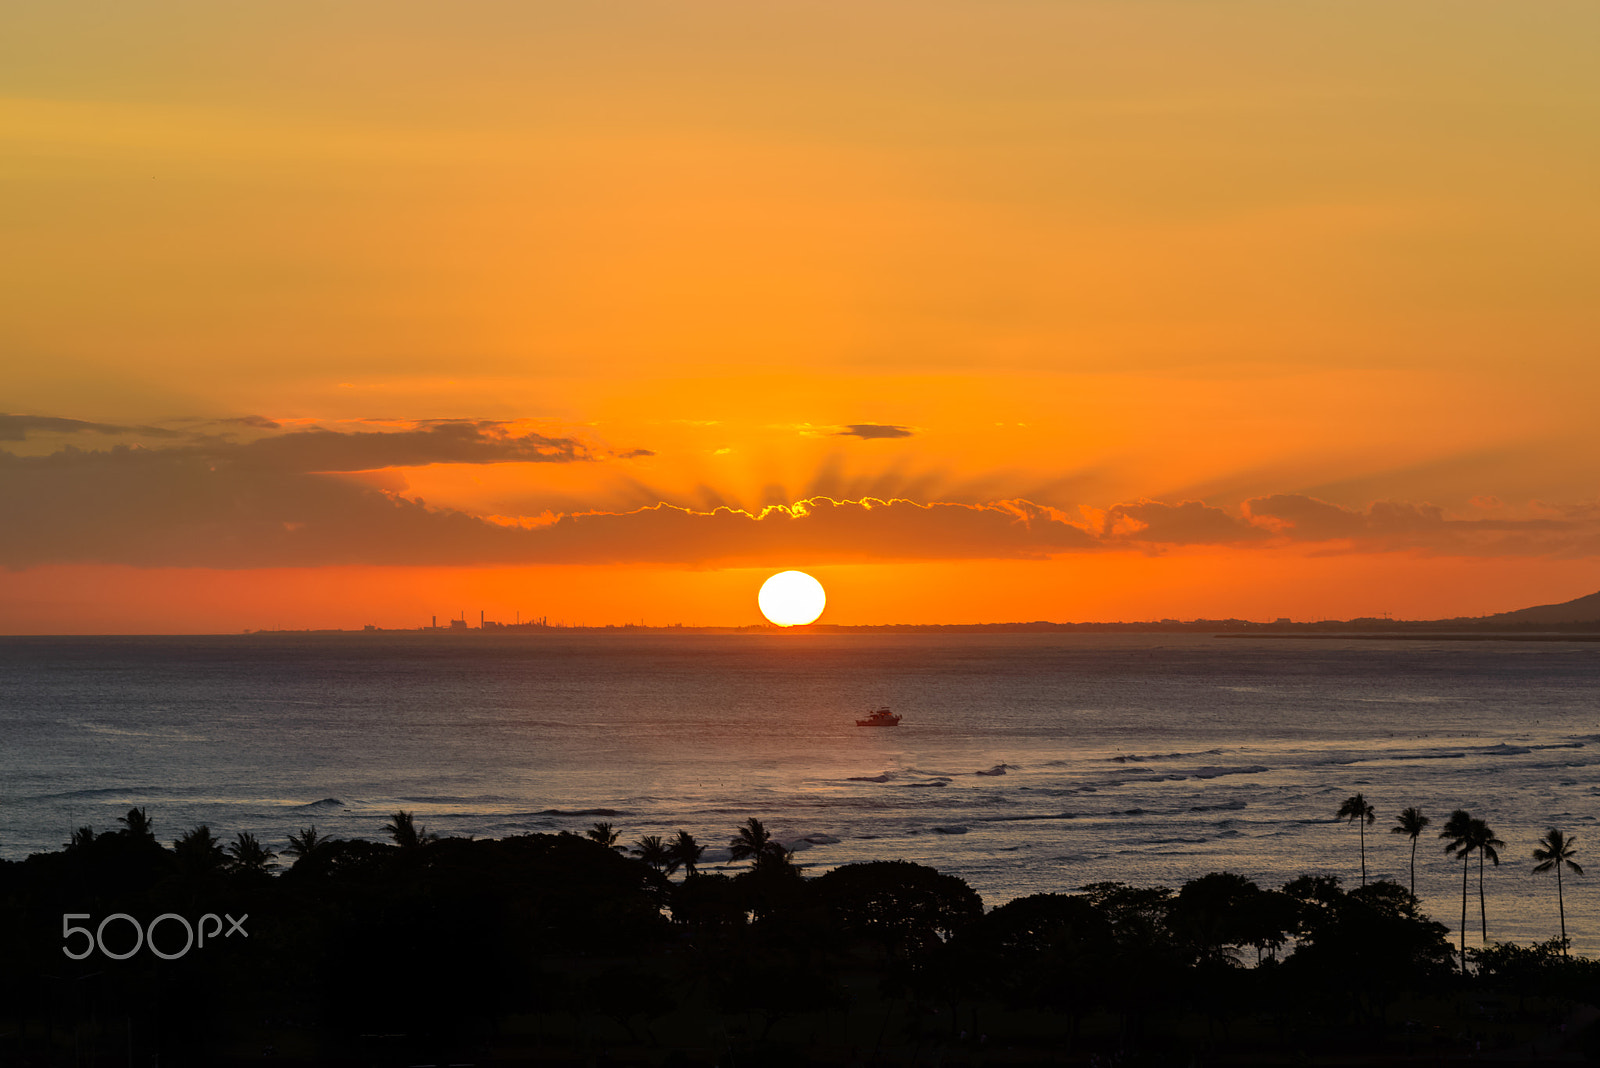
point(325, 315)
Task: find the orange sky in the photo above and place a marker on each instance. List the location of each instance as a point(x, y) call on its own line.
point(979, 311)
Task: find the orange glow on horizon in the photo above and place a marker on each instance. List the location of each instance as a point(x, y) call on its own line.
point(1202, 583)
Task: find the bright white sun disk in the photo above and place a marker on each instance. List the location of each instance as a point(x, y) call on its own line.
point(791, 598)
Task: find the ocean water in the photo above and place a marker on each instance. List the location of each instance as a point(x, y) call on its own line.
point(1025, 763)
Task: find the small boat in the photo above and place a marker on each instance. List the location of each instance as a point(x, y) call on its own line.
point(880, 717)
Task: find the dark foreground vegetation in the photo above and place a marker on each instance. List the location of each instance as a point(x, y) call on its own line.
point(569, 949)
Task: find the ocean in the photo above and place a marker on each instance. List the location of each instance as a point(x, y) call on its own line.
point(1024, 763)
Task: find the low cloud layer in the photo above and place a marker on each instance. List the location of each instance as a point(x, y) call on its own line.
point(19, 427)
point(436, 443)
point(873, 430)
point(280, 500)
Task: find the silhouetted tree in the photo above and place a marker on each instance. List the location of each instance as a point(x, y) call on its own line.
point(711, 904)
point(402, 827)
point(200, 847)
point(199, 859)
point(684, 852)
point(1487, 845)
point(908, 907)
point(653, 851)
point(1041, 951)
point(605, 834)
point(772, 886)
point(1145, 971)
point(249, 855)
point(754, 842)
point(305, 843)
point(1363, 945)
point(82, 838)
point(1358, 811)
point(1556, 850)
point(1457, 834)
point(1411, 822)
point(137, 825)
point(1216, 912)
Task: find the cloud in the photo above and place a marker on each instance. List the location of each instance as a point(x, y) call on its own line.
point(873, 430)
point(1187, 523)
point(18, 427)
point(818, 530)
point(1395, 526)
point(315, 496)
point(179, 507)
point(443, 442)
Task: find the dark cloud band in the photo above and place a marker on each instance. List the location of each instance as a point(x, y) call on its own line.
point(18, 427)
point(873, 430)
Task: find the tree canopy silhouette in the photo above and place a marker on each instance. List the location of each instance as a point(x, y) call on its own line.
point(908, 908)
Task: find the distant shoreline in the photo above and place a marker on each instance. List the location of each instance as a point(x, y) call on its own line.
point(1419, 630)
point(1581, 636)
point(1385, 630)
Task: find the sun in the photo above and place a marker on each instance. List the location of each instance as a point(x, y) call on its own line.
point(791, 598)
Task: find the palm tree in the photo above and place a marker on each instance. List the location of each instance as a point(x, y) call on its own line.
point(82, 838)
point(250, 855)
point(1458, 842)
point(137, 825)
point(199, 851)
point(684, 852)
point(1360, 813)
point(654, 852)
point(753, 841)
point(1411, 822)
point(1484, 841)
point(305, 843)
point(402, 827)
point(605, 834)
point(1555, 850)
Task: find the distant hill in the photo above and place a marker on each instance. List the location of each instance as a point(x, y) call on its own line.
point(1581, 610)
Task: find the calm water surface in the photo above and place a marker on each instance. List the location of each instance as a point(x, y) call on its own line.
point(1025, 763)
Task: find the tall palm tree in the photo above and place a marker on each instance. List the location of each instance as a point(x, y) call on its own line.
point(1360, 813)
point(684, 852)
point(1458, 842)
point(1411, 822)
point(1555, 850)
point(1487, 845)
